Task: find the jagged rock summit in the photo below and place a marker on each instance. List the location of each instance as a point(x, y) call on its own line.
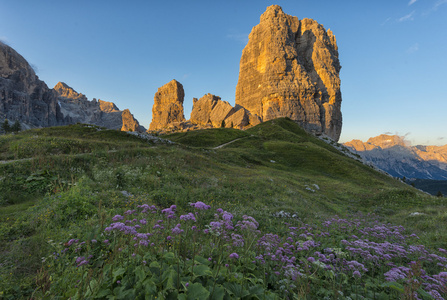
point(290, 68)
point(78, 109)
point(168, 106)
point(23, 97)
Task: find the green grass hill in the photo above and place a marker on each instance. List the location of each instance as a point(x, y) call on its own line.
point(63, 183)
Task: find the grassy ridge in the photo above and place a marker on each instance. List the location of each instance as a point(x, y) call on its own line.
point(79, 176)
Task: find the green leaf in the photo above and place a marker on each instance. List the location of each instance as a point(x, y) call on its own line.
point(93, 284)
point(394, 285)
point(149, 287)
point(197, 292)
point(236, 289)
point(155, 264)
point(102, 293)
point(117, 273)
point(424, 294)
point(202, 260)
point(170, 278)
point(218, 294)
point(169, 256)
point(202, 270)
point(140, 273)
point(256, 290)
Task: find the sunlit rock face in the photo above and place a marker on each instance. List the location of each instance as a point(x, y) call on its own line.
point(290, 68)
point(210, 110)
point(168, 106)
point(129, 122)
point(78, 109)
point(23, 97)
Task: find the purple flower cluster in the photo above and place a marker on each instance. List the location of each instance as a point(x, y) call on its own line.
point(200, 205)
point(188, 216)
point(80, 261)
point(170, 212)
point(118, 226)
point(146, 208)
point(368, 248)
point(177, 229)
point(248, 223)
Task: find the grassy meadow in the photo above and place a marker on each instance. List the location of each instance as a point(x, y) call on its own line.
point(90, 213)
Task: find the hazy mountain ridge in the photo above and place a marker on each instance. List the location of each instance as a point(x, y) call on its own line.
point(397, 157)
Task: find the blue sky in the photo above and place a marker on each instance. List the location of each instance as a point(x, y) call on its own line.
point(393, 54)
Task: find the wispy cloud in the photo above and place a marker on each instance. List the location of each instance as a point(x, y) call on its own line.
point(411, 2)
point(413, 48)
point(439, 3)
point(386, 21)
point(239, 37)
point(409, 17)
point(4, 39)
point(435, 7)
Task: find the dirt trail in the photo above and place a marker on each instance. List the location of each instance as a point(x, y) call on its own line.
point(223, 145)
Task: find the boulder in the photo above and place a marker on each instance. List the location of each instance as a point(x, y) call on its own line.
point(220, 112)
point(239, 119)
point(202, 108)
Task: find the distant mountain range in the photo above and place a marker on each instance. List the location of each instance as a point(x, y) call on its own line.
point(397, 157)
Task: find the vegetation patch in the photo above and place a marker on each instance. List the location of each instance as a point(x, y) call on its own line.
point(277, 174)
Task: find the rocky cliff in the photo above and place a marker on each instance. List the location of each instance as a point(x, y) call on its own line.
point(23, 96)
point(290, 68)
point(167, 110)
point(78, 109)
point(397, 157)
point(29, 100)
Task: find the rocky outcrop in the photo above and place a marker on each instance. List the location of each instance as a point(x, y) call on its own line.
point(64, 91)
point(397, 157)
point(167, 110)
point(78, 109)
point(107, 107)
point(202, 108)
point(210, 111)
point(290, 68)
point(130, 123)
point(23, 97)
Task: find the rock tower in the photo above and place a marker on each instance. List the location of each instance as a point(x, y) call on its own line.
point(168, 106)
point(290, 68)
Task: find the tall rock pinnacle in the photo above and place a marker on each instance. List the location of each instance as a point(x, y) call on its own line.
point(168, 106)
point(290, 68)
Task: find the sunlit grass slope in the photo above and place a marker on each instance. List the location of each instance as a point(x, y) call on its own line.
point(68, 180)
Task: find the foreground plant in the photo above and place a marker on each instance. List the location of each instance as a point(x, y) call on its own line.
point(149, 252)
